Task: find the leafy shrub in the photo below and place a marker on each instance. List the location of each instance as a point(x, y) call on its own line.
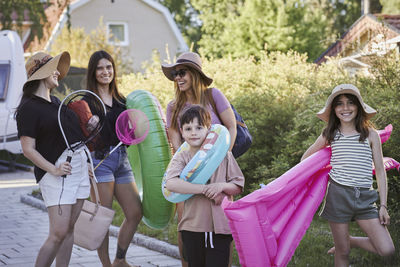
point(278, 96)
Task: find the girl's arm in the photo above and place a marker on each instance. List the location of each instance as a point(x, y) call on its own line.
point(229, 121)
point(380, 174)
point(183, 187)
point(319, 144)
point(174, 136)
point(175, 139)
point(29, 150)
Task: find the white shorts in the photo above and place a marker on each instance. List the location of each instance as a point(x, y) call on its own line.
point(76, 185)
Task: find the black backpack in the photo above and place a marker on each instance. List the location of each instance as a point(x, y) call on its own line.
point(243, 137)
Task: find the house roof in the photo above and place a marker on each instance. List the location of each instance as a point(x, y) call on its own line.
point(392, 21)
point(363, 25)
point(53, 13)
point(57, 18)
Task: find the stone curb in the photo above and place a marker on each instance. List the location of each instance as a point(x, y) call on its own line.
point(138, 239)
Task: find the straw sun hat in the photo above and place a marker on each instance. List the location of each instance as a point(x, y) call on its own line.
point(323, 114)
point(41, 65)
point(189, 59)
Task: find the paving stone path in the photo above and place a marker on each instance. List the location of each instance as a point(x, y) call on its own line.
point(24, 228)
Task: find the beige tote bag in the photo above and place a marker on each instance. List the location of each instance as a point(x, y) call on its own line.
point(93, 222)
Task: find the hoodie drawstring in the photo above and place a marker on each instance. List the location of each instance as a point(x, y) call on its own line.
point(211, 239)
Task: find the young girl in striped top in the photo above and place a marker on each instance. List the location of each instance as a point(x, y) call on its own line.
point(356, 146)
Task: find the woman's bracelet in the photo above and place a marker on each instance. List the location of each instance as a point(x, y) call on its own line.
point(384, 206)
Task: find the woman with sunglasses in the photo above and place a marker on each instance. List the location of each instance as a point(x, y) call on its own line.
point(191, 87)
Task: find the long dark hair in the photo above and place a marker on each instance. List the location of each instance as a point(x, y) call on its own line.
point(199, 88)
point(91, 82)
point(361, 121)
point(27, 93)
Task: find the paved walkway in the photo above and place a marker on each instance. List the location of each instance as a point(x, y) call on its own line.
point(23, 230)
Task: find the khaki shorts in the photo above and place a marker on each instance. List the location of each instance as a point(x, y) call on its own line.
point(76, 185)
point(345, 203)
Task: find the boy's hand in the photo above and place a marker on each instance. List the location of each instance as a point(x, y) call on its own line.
point(212, 190)
point(218, 199)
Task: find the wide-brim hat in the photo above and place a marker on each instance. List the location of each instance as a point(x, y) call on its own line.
point(190, 59)
point(42, 65)
point(323, 114)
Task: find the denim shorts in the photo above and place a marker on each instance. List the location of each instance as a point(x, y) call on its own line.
point(115, 168)
point(346, 203)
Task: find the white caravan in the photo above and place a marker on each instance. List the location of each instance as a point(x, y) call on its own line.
point(12, 78)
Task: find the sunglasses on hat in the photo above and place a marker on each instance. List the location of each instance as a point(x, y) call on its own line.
point(181, 73)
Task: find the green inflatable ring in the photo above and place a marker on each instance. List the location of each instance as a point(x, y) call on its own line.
point(150, 159)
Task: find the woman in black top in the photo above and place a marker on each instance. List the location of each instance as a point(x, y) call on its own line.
point(43, 143)
point(114, 175)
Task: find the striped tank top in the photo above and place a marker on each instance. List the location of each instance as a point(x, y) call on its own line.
point(351, 161)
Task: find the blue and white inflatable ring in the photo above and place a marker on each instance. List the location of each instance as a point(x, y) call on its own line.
point(204, 162)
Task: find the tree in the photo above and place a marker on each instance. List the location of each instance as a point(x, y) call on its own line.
point(215, 16)
point(14, 12)
point(343, 14)
point(390, 6)
point(247, 28)
point(375, 6)
point(262, 24)
point(186, 17)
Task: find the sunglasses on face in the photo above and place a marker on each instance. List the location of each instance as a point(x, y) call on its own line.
point(181, 73)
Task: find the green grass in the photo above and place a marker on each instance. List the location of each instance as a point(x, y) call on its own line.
point(168, 234)
point(312, 250)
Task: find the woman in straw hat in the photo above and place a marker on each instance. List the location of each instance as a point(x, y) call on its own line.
point(114, 175)
point(356, 147)
point(42, 143)
point(191, 87)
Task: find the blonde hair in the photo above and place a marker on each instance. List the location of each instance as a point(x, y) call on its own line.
point(199, 88)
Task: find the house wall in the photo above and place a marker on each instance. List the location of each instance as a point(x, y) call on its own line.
point(359, 38)
point(148, 28)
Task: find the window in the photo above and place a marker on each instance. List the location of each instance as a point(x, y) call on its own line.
point(118, 33)
point(4, 77)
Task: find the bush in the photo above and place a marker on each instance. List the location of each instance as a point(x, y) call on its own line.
point(278, 96)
